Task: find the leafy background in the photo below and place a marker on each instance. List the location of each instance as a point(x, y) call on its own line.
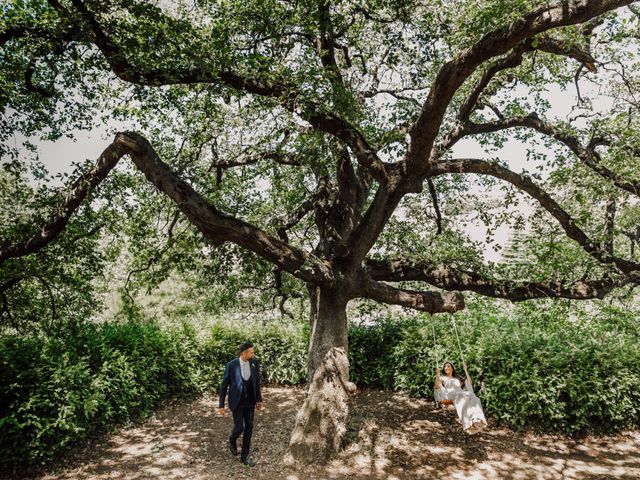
point(545, 366)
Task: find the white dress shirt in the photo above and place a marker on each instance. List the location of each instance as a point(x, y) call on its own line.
point(245, 368)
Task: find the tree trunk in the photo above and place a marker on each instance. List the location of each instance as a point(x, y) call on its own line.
point(321, 421)
point(328, 326)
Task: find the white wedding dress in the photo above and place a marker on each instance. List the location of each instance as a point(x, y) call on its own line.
point(467, 404)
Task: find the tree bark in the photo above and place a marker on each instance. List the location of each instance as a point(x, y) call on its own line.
point(328, 326)
point(321, 421)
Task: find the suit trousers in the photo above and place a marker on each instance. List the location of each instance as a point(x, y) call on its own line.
point(243, 423)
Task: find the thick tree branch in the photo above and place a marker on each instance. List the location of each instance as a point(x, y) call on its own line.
point(125, 70)
point(512, 60)
point(326, 42)
point(172, 225)
point(77, 193)
point(552, 45)
point(450, 278)
point(46, 92)
point(202, 73)
point(346, 211)
point(634, 237)
point(20, 31)
point(525, 184)
point(62, 32)
point(322, 211)
point(215, 225)
point(609, 227)
point(363, 151)
point(372, 223)
point(432, 302)
point(436, 207)
point(498, 42)
point(588, 155)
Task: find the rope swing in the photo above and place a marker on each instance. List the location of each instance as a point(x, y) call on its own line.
point(435, 346)
point(435, 343)
point(449, 394)
point(455, 329)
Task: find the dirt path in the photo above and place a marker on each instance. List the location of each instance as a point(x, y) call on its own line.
point(391, 437)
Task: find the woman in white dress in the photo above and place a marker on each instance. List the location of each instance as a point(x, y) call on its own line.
point(450, 389)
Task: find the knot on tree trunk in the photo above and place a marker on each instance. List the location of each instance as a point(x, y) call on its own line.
point(321, 422)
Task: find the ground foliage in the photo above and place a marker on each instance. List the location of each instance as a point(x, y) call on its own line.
point(551, 367)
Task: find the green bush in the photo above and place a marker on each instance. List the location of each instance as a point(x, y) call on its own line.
point(57, 390)
point(560, 375)
point(535, 367)
point(371, 352)
point(282, 351)
point(549, 366)
point(280, 348)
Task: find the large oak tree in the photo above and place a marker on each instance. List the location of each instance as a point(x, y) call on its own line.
point(314, 134)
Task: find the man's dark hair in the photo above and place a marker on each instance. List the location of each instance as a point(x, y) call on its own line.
point(245, 346)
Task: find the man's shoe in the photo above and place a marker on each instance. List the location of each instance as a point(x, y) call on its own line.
point(233, 448)
point(247, 462)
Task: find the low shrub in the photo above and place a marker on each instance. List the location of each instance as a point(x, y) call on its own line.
point(546, 366)
point(56, 390)
point(538, 366)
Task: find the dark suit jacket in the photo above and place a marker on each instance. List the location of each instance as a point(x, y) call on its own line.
point(232, 382)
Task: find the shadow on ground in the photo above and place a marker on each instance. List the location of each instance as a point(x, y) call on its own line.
point(390, 437)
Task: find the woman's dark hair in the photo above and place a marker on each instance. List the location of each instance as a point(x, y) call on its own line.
point(453, 373)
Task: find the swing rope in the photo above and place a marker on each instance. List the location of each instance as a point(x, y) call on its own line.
point(455, 329)
point(435, 345)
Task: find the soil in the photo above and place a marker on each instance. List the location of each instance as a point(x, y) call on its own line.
point(390, 437)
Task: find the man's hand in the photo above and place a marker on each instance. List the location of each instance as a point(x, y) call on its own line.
point(221, 411)
point(259, 406)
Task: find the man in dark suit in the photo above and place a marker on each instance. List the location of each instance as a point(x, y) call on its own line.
point(242, 381)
